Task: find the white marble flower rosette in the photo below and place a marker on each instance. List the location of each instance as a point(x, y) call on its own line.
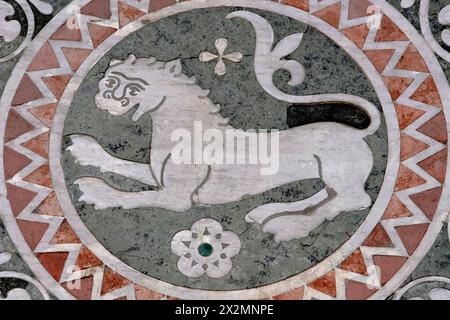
point(205, 249)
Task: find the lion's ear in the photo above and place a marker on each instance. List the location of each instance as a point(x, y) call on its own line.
point(174, 67)
point(131, 59)
point(114, 62)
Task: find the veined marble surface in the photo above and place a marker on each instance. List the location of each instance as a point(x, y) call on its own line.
point(118, 180)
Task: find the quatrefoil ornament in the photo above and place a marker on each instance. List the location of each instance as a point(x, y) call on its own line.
point(221, 45)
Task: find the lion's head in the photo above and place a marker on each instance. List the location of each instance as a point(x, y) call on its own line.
point(143, 82)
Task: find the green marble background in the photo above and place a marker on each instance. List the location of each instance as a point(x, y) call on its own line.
point(141, 237)
point(436, 261)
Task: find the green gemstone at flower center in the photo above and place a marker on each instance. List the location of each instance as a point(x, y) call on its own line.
point(205, 249)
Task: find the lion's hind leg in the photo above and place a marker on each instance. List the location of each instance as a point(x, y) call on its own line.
point(346, 178)
point(263, 213)
point(290, 227)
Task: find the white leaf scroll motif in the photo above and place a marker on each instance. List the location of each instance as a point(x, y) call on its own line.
point(9, 30)
point(271, 57)
point(444, 19)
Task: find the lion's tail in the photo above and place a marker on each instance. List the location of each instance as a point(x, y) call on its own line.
point(369, 108)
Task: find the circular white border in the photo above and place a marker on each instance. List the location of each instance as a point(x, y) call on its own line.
point(5, 103)
point(444, 204)
point(52, 285)
point(265, 291)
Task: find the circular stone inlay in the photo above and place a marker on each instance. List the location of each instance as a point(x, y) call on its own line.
point(124, 138)
point(205, 249)
point(84, 207)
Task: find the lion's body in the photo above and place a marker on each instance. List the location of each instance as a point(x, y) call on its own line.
point(331, 151)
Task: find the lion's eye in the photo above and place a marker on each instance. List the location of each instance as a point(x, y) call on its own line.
point(110, 83)
point(134, 90)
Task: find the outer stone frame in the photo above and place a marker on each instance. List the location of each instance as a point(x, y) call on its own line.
point(374, 262)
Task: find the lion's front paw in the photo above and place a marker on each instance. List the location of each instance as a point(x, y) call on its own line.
point(87, 151)
point(97, 193)
point(287, 228)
